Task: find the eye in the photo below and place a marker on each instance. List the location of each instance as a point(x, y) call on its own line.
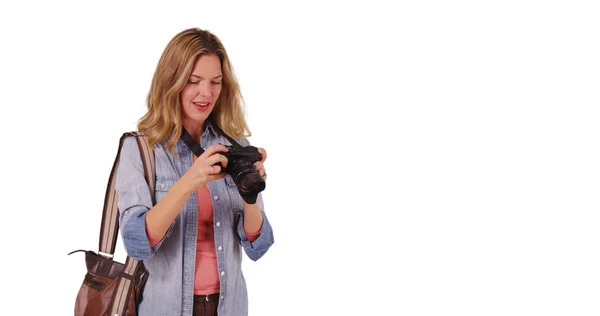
point(216, 82)
point(193, 81)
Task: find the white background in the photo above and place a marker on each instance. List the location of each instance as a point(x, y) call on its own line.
point(425, 158)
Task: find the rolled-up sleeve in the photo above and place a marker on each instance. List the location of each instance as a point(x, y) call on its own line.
point(256, 249)
point(134, 201)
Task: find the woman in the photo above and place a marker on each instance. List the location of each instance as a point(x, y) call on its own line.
point(190, 241)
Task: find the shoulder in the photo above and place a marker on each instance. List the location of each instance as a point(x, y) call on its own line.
point(130, 142)
point(138, 141)
point(129, 153)
point(134, 146)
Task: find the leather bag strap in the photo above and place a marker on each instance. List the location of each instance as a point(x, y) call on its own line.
point(109, 229)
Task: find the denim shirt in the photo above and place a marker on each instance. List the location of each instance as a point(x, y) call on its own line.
point(170, 286)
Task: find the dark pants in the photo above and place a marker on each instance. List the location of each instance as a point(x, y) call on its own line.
point(206, 305)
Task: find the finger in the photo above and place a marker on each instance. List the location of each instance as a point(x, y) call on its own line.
point(263, 153)
point(216, 169)
point(260, 168)
point(211, 170)
point(212, 160)
point(211, 150)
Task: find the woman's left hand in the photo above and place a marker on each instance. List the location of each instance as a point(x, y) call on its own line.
point(259, 166)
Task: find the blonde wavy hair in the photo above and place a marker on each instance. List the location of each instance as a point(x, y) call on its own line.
point(164, 117)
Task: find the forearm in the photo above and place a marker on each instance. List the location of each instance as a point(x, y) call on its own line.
point(160, 217)
point(253, 217)
point(257, 245)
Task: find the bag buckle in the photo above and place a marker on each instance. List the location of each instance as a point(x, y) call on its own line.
point(105, 255)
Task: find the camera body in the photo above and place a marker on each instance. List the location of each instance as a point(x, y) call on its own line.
point(240, 166)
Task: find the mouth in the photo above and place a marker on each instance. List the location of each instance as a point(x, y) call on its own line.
point(203, 104)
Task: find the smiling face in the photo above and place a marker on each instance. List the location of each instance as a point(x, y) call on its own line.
point(200, 93)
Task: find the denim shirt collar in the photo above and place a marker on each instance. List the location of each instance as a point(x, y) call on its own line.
point(209, 127)
point(211, 131)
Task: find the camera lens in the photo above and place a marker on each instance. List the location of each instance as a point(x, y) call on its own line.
point(247, 180)
point(248, 184)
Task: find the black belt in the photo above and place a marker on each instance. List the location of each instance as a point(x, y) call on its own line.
point(208, 298)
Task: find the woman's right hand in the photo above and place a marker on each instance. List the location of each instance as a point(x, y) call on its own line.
point(205, 168)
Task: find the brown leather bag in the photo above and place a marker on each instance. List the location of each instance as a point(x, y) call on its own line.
point(111, 288)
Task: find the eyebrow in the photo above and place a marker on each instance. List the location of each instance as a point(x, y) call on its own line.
point(217, 77)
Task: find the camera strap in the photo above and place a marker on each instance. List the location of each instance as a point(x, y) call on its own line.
point(191, 143)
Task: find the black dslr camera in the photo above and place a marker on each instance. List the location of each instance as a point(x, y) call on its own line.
point(240, 165)
point(240, 161)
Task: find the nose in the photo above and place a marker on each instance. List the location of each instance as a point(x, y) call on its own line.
point(205, 90)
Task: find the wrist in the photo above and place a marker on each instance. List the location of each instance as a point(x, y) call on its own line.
point(186, 184)
point(251, 207)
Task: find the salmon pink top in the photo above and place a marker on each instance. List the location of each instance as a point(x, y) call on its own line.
point(206, 275)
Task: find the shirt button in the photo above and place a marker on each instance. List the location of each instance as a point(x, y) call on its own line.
point(222, 297)
point(126, 212)
point(222, 272)
point(216, 197)
point(162, 185)
point(218, 224)
point(220, 247)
